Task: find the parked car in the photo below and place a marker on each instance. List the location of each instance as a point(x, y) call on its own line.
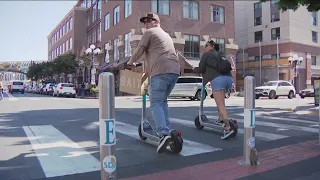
point(16, 86)
point(309, 92)
point(274, 89)
point(64, 89)
point(190, 87)
point(48, 89)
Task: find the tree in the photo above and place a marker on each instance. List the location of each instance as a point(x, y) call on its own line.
point(65, 64)
point(284, 5)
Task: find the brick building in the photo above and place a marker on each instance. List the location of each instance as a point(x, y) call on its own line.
point(114, 26)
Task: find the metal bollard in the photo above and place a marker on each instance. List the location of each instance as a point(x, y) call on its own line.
point(107, 131)
point(249, 151)
point(319, 118)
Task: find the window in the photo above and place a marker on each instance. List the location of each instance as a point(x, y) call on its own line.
point(89, 39)
point(94, 36)
point(313, 60)
point(191, 9)
point(60, 49)
point(314, 18)
point(70, 24)
point(257, 13)
point(314, 36)
point(127, 8)
point(70, 43)
point(258, 36)
point(221, 43)
point(99, 32)
point(89, 19)
point(63, 30)
point(275, 33)
point(257, 58)
point(274, 56)
point(161, 6)
point(63, 48)
point(127, 46)
point(116, 15)
point(67, 24)
point(115, 49)
point(274, 11)
point(217, 14)
point(99, 9)
point(94, 12)
point(67, 45)
point(107, 57)
point(58, 36)
point(275, 17)
point(106, 21)
point(274, 2)
point(192, 46)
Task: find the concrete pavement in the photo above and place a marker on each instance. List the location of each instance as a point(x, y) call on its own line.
point(39, 130)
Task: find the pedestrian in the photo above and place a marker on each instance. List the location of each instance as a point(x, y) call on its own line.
point(211, 68)
point(163, 71)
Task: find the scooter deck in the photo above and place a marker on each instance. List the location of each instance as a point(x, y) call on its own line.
point(211, 122)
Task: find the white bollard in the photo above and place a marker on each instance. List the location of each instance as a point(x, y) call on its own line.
point(250, 153)
point(107, 130)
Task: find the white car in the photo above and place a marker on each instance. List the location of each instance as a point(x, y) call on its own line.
point(274, 89)
point(64, 89)
point(190, 86)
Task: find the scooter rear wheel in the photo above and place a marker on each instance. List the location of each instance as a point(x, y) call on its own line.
point(177, 142)
point(197, 122)
point(140, 133)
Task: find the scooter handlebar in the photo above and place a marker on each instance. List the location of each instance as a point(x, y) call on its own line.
point(130, 67)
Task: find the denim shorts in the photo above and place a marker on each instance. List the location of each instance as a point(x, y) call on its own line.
point(222, 83)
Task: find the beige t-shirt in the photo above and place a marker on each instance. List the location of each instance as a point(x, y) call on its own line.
point(160, 52)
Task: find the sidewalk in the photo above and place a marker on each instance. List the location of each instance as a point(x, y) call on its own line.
point(229, 169)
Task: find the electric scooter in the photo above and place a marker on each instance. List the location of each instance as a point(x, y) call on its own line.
point(202, 121)
point(146, 130)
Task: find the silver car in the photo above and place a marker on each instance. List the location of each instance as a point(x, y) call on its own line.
point(190, 86)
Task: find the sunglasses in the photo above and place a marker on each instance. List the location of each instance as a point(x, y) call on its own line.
point(148, 21)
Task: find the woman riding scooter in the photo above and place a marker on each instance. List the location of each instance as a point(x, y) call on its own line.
point(219, 82)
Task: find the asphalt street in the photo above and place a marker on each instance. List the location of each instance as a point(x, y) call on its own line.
point(51, 137)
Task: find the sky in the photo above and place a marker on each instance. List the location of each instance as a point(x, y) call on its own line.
point(25, 25)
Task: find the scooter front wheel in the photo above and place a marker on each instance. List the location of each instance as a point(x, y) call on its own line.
point(140, 133)
point(177, 145)
point(197, 123)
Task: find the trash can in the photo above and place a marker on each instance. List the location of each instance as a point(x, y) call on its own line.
point(316, 86)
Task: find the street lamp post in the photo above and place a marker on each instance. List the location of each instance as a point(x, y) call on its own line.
point(295, 61)
point(93, 50)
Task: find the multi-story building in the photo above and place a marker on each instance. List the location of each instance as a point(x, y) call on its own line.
point(114, 26)
point(189, 23)
point(69, 35)
point(297, 33)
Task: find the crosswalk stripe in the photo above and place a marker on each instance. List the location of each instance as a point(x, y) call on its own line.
point(258, 115)
point(261, 135)
point(189, 147)
point(34, 99)
point(288, 126)
point(57, 154)
point(13, 99)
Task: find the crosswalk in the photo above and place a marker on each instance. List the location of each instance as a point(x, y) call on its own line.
point(53, 146)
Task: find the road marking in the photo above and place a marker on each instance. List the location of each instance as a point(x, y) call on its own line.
point(288, 126)
point(262, 135)
point(279, 118)
point(189, 147)
point(12, 98)
point(34, 99)
point(57, 154)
